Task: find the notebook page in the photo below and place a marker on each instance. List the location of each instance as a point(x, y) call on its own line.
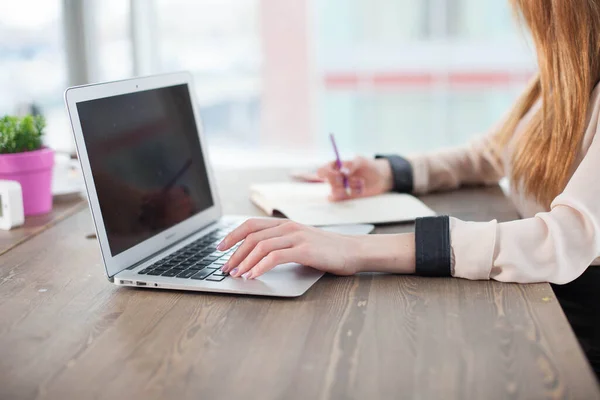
point(307, 203)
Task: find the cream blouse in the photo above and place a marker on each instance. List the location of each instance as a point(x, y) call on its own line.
point(555, 245)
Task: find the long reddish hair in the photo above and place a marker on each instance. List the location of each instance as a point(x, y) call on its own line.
point(566, 34)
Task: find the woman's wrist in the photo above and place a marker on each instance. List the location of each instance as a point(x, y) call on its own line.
point(387, 253)
point(385, 171)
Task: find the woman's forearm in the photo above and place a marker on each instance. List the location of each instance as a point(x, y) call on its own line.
point(387, 253)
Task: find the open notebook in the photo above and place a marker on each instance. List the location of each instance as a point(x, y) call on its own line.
point(307, 203)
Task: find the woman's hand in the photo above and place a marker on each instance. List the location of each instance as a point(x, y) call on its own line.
point(271, 242)
point(366, 177)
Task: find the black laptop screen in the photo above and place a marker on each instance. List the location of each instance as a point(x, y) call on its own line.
point(145, 156)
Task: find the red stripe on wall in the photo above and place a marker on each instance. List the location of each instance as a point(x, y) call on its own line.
point(399, 79)
point(342, 79)
point(387, 79)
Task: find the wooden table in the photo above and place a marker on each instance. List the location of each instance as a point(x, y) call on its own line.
point(66, 333)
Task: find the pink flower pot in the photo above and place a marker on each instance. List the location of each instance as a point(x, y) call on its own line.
point(33, 170)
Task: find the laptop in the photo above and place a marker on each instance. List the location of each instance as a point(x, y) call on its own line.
point(152, 192)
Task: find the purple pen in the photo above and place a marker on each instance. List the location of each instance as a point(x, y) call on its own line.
point(338, 160)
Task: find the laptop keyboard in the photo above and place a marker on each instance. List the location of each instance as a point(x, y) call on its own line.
point(198, 260)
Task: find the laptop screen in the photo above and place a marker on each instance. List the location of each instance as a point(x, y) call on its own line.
point(146, 161)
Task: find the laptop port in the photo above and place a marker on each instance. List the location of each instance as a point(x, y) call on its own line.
point(126, 282)
point(140, 283)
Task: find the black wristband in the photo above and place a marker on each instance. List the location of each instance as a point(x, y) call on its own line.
point(402, 173)
point(432, 246)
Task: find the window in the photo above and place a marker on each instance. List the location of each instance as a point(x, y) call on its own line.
point(218, 41)
point(276, 76)
point(33, 72)
point(406, 75)
point(114, 53)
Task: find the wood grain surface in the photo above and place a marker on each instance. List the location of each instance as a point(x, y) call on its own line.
point(66, 333)
point(63, 207)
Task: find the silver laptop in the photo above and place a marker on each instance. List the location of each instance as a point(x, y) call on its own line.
point(152, 192)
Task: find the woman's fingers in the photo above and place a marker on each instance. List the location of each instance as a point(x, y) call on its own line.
point(347, 169)
point(357, 187)
point(260, 251)
point(332, 175)
point(274, 259)
point(351, 167)
point(254, 239)
point(338, 190)
point(245, 229)
point(335, 177)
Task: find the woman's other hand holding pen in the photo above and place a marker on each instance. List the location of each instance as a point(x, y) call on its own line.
point(366, 177)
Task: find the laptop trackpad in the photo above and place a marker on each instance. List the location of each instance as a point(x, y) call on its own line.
point(287, 280)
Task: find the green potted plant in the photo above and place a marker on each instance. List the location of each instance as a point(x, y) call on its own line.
point(24, 159)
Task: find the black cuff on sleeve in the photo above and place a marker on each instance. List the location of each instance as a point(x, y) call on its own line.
point(432, 246)
point(402, 173)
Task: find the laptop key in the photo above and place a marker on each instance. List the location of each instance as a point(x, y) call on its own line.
point(216, 278)
point(202, 274)
point(187, 273)
point(220, 273)
point(155, 272)
point(167, 264)
point(145, 271)
point(171, 272)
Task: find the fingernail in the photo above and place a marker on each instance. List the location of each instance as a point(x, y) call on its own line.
point(224, 267)
point(234, 272)
point(249, 275)
point(221, 246)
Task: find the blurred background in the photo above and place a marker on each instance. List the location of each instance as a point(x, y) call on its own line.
point(273, 77)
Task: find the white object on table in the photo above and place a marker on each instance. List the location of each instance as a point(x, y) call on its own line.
point(67, 178)
point(11, 205)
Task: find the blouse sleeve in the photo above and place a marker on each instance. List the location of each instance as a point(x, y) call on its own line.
point(555, 246)
point(450, 168)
